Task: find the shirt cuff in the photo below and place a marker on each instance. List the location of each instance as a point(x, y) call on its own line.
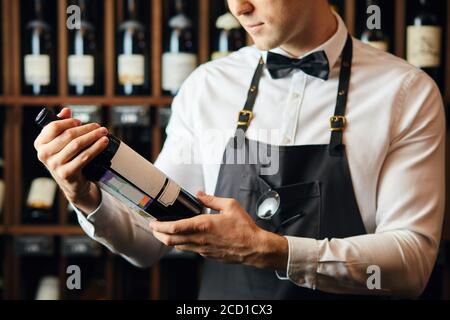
point(97, 218)
point(302, 262)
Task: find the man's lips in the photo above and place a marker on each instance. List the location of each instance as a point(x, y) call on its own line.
point(253, 26)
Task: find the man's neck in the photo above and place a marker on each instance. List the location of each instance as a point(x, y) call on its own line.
point(318, 32)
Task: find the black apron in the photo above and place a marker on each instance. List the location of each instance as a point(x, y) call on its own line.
point(315, 191)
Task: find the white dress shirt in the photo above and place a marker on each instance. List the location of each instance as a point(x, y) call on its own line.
point(394, 138)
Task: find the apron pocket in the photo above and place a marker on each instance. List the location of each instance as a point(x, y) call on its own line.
point(299, 211)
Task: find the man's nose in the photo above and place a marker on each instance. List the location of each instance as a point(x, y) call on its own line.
point(240, 7)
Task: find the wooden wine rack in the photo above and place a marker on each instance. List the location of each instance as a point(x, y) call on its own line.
point(13, 103)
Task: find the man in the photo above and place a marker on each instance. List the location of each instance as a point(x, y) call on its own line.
point(358, 139)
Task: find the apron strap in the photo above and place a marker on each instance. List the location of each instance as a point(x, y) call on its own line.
point(338, 121)
point(246, 114)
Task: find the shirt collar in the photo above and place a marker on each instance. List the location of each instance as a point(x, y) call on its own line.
point(332, 47)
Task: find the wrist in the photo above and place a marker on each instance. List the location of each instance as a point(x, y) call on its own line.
point(272, 251)
point(87, 200)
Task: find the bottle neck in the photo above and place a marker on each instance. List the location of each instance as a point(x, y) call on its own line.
point(39, 9)
point(425, 4)
point(180, 6)
point(84, 10)
point(132, 10)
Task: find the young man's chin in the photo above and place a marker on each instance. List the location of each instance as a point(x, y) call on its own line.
point(264, 46)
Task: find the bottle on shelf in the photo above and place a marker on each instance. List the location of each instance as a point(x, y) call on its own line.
point(40, 203)
point(180, 57)
point(132, 50)
point(231, 36)
point(86, 113)
point(82, 60)
point(39, 75)
point(424, 40)
point(129, 177)
point(132, 125)
point(377, 38)
point(48, 288)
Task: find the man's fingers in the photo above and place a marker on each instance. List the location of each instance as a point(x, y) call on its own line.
point(77, 145)
point(176, 240)
point(80, 161)
point(215, 203)
point(74, 136)
point(184, 226)
point(54, 129)
point(65, 113)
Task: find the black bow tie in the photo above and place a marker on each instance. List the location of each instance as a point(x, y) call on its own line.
point(314, 64)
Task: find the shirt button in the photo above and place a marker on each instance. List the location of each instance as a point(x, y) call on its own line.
point(286, 140)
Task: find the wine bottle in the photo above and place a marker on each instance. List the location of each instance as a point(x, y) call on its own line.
point(135, 181)
point(231, 36)
point(180, 58)
point(375, 37)
point(132, 59)
point(48, 288)
point(424, 41)
point(39, 75)
point(131, 124)
point(82, 54)
point(40, 204)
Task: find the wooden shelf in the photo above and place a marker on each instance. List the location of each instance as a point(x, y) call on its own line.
point(44, 230)
point(98, 100)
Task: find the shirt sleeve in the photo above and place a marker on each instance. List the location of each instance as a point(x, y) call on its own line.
point(409, 216)
point(122, 230)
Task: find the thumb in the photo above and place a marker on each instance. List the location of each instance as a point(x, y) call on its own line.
point(65, 113)
point(212, 202)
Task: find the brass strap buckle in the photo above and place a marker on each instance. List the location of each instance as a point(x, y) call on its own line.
point(245, 113)
point(337, 123)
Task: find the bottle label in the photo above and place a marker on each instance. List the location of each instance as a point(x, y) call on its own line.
point(124, 191)
point(81, 70)
point(144, 175)
point(176, 68)
point(380, 45)
point(2, 194)
point(42, 193)
point(219, 54)
point(131, 69)
point(424, 46)
point(37, 69)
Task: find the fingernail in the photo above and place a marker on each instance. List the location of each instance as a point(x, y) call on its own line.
point(104, 130)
